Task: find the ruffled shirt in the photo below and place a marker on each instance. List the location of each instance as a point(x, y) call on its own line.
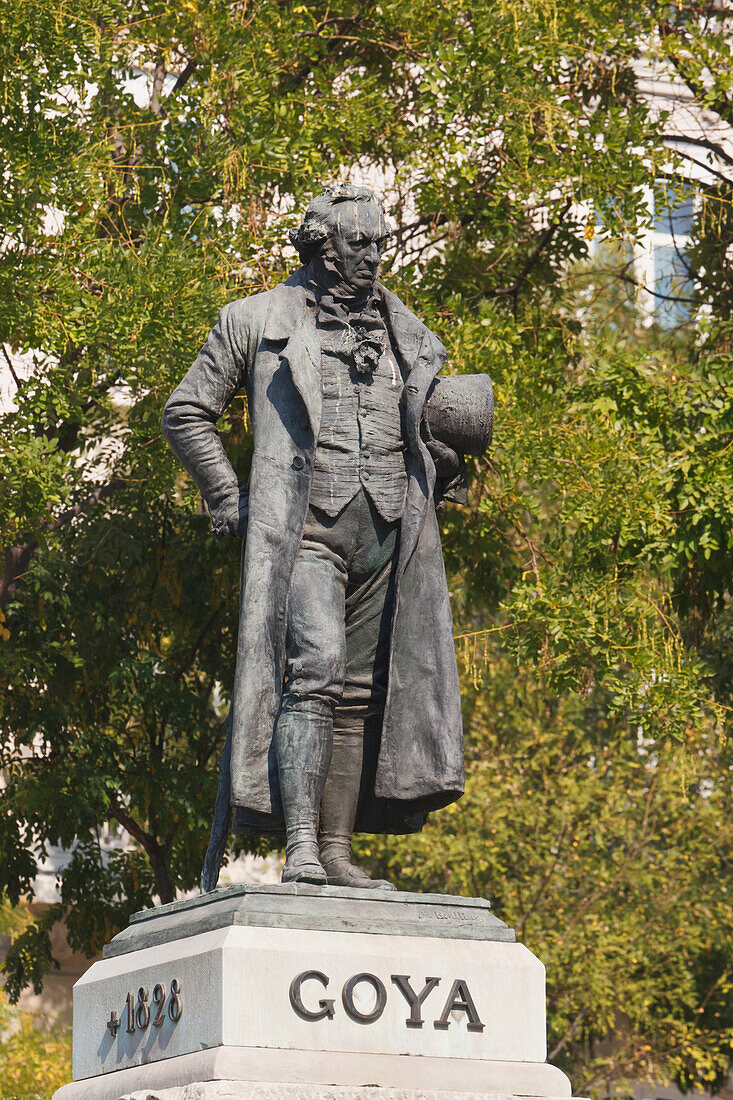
point(360, 442)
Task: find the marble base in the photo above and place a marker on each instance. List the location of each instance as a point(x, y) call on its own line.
point(262, 1074)
point(232, 1090)
point(313, 994)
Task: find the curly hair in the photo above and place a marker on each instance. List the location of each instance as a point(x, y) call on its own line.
point(317, 225)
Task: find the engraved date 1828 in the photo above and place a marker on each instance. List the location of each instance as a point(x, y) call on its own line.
point(141, 1011)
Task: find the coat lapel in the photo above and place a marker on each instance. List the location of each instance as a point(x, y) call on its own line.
point(405, 329)
point(289, 320)
point(302, 353)
point(423, 356)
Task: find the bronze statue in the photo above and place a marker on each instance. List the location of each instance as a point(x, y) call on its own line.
point(346, 711)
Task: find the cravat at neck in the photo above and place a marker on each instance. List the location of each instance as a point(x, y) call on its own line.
point(366, 334)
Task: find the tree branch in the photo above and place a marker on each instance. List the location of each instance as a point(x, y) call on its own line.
point(185, 75)
point(18, 558)
point(568, 1036)
point(513, 290)
point(703, 143)
point(700, 164)
point(721, 106)
point(12, 368)
point(520, 924)
point(657, 293)
point(159, 76)
point(198, 641)
point(136, 832)
point(155, 851)
point(83, 506)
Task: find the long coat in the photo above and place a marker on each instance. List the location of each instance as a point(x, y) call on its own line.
point(267, 344)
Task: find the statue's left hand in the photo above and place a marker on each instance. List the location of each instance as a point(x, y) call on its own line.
point(447, 461)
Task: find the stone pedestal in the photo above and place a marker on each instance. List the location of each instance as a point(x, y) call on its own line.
point(303, 993)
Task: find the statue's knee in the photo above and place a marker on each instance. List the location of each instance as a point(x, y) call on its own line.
point(328, 672)
point(319, 674)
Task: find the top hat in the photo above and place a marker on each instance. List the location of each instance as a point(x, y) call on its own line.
point(459, 412)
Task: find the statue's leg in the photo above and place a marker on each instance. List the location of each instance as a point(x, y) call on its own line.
point(338, 810)
point(303, 744)
point(314, 677)
point(368, 611)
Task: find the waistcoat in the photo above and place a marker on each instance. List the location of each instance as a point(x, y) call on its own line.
point(361, 440)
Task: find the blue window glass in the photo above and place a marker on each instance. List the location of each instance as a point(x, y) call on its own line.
point(672, 285)
point(675, 216)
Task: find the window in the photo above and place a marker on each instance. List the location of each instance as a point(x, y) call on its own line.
point(673, 287)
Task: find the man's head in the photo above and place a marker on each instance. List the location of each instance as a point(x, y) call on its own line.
point(345, 227)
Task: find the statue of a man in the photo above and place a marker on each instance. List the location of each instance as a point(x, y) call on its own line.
point(346, 709)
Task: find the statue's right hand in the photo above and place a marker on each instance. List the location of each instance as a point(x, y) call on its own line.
point(233, 523)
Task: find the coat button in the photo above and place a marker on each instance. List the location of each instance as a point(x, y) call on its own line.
point(298, 462)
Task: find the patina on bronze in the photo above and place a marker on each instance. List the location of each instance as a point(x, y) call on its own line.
point(346, 711)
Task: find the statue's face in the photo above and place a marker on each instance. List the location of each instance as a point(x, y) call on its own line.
point(354, 248)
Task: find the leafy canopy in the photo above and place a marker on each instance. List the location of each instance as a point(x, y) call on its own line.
point(156, 157)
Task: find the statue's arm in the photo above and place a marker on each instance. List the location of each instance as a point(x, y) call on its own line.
point(191, 413)
point(458, 419)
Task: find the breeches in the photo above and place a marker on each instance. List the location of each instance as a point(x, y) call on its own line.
point(340, 610)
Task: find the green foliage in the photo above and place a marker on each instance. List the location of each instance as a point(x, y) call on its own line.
point(597, 549)
point(34, 1061)
point(608, 850)
point(590, 572)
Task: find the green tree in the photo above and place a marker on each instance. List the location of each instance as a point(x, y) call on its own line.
point(156, 158)
point(597, 738)
point(34, 1062)
point(35, 1055)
